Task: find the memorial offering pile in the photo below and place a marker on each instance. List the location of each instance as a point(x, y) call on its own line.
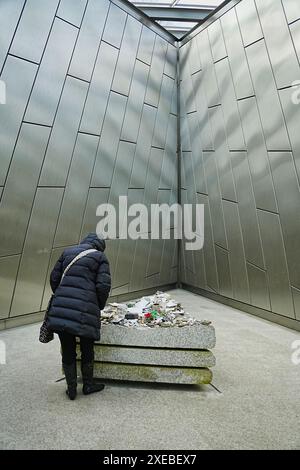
point(158, 310)
point(153, 339)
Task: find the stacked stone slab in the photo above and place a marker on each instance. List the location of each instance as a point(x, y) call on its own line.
point(167, 355)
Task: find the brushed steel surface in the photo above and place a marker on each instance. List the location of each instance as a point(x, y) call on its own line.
point(114, 26)
point(224, 274)
point(19, 191)
point(292, 10)
point(216, 40)
point(18, 76)
point(156, 71)
point(247, 140)
point(143, 147)
point(249, 21)
point(238, 269)
point(127, 55)
point(135, 102)
point(64, 132)
point(36, 252)
point(33, 29)
point(278, 41)
point(99, 89)
point(222, 156)
point(257, 156)
point(259, 289)
point(8, 271)
point(247, 209)
point(76, 191)
point(146, 45)
point(11, 10)
point(88, 137)
point(273, 246)
point(236, 55)
point(72, 11)
point(89, 38)
point(51, 75)
point(267, 97)
point(109, 140)
point(288, 196)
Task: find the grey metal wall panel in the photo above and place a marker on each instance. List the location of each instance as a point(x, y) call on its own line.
point(36, 253)
point(278, 40)
point(72, 11)
point(163, 111)
point(273, 246)
point(247, 209)
point(295, 32)
point(96, 197)
point(258, 283)
point(257, 156)
point(33, 29)
point(267, 97)
point(19, 192)
point(109, 140)
point(146, 45)
point(292, 116)
point(222, 155)
point(229, 106)
point(74, 148)
point(249, 22)
point(202, 112)
point(236, 55)
point(197, 155)
point(168, 177)
point(143, 147)
point(18, 76)
point(209, 251)
point(11, 10)
point(194, 58)
point(252, 176)
point(238, 269)
point(288, 196)
point(215, 198)
point(51, 75)
point(171, 59)
point(209, 75)
point(296, 298)
point(217, 41)
point(63, 136)
point(156, 71)
point(114, 26)
point(127, 56)
point(223, 266)
point(98, 94)
point(135, 102)
point(8, 271)
point(188, 95)
point(292, 10)
point(89, 38)
point(76, 191)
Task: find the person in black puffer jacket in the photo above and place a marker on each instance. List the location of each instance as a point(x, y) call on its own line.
point(75, 308)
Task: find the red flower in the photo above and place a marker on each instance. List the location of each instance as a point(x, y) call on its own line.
point(147, 315)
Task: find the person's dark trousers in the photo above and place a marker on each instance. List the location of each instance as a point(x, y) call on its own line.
point(68, 348)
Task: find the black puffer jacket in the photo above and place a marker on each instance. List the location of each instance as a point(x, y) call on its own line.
point(83, 291)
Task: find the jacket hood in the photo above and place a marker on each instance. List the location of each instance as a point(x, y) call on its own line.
point(95, 241)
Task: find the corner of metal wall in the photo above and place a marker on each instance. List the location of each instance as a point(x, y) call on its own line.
point(178, 161)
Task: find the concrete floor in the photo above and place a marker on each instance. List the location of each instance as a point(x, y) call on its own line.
point(258, 407)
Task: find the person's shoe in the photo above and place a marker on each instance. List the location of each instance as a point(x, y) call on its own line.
point(89, 386)
point(71, 379)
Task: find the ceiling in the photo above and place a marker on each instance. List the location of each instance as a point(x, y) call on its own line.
point(177, 16)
